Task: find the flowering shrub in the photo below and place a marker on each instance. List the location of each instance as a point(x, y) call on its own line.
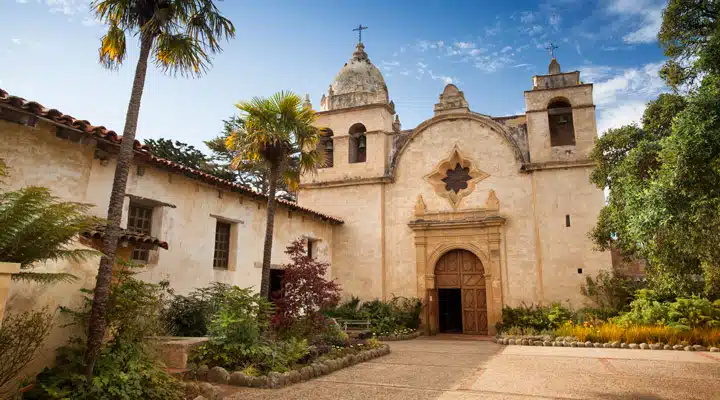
point(611, 332)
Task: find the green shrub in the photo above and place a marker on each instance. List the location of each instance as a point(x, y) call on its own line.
point(408, 311)
point(690, 312)
point(348, 309)
point(611, 291)
point(190, 315)
point(126, 368)
point(539, 318)
point(21, 336)
point(385, 317)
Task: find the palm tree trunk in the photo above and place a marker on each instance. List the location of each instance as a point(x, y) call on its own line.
point(270, 224)
point(96, 321)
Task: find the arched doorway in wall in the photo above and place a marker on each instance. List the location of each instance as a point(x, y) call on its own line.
point(461, 296)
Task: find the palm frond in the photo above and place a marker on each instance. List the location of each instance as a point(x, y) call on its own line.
point(179, 53)
point(113, 48)
point(45, 277)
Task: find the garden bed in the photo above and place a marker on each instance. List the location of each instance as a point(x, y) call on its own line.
point(400, 336)
point(574, 342)
point(274, 380)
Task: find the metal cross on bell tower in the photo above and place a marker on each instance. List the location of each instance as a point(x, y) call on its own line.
point(359, 30)
point(551, 49)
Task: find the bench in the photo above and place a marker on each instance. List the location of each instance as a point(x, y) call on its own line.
point(355, 325)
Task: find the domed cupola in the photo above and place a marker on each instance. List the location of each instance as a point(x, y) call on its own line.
point(358, 83)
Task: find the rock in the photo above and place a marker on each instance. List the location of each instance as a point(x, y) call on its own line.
point(607, 345)
point(200, 398)
point(317, 368)
point(573, 344)
point(538, 343)
point(698, 347)
point(494, 340)
point(238, 378)
point(304, 374)
point(295, 376)
point(209, 391)
point(624, 345)
point(287, 378)
point(616, 344)
point(678, 347)
point(524, 342)
point(325, 369)
point(633, 346)
point(547, 343)
point(511, 341)
point(644, 346)
point(275, 380)
point(218, 375)
point(667, 347)
point(580, 344)
point(202, 372)
point(656, 346)
point(689, 348)
point(597, 345)
point(714, 350)
point(258, 381)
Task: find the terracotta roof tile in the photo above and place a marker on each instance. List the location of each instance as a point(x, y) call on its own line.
point(132, 237)
point(103, 133)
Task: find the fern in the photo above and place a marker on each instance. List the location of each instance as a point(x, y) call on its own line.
point(37, 227)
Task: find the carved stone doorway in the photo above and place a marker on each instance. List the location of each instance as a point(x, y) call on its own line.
point(461, 269)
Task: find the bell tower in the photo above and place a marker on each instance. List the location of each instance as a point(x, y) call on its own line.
point(560, 117)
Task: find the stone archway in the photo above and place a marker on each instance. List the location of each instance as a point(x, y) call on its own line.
point(460, 287)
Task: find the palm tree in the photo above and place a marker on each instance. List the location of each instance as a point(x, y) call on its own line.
point(181, 35)
point(279, 132)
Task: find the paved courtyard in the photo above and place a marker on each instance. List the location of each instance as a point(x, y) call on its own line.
point(440, 368)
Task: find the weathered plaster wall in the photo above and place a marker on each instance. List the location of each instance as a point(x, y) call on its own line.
point(493, 155)
point(36, 157)
point(357, 244)
point(562, 192)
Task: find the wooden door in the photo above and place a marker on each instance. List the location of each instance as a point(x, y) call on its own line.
point(462, 269)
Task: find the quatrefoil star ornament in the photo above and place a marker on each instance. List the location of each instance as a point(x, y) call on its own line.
point(455, 177)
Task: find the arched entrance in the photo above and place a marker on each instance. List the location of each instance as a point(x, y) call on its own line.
point(461, 297)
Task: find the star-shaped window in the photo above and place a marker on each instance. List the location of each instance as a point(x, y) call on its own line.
point(457, 179)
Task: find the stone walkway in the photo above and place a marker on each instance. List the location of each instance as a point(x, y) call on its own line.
point(440, 368)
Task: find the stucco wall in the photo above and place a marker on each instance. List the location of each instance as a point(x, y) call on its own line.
point(564, 249)
point(357, 244)
point(493, 155)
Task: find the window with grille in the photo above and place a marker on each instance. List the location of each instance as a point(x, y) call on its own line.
point(222, 245)
point(140, 221)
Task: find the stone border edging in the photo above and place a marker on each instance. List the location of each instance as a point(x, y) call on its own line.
point(394, 338)
point(275, 380)
point(608, 345)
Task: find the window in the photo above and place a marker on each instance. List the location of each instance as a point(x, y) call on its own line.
point(327, 146)
point(358, 144)
point(221, 258)
point(310, 248)
point(140, 221)
point(560, 119)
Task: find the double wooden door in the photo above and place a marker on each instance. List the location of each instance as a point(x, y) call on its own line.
point(461, 269)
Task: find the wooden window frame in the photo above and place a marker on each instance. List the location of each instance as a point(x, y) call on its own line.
point(140, 221)
point(221, 253)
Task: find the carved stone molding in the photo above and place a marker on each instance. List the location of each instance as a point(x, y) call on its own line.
point(455, 177)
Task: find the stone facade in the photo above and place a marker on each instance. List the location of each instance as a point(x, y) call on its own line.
point(523, 209)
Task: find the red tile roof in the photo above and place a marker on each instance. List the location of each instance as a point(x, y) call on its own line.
point(141, 150)
point(98, 232)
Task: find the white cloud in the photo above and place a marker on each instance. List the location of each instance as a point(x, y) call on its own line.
point(534, 30)
point(506, 49)
point(67, 7)
point(425, 45)
point(647, 17)
point(554, 21)
point(421, 64)
point(21, 1)
point(476, 52)
point(527, 17)
point(16, 40)
point(465, 45)
point(621, 94)
point(444, 78)
point(405, 72)
point(393, 63)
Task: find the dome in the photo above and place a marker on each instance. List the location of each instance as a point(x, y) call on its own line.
point(358, 83)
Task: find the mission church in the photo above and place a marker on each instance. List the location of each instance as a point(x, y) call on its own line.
point(466, 211)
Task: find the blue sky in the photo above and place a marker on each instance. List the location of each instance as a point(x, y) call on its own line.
point(489, 49)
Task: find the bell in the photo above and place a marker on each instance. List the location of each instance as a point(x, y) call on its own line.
point(361, 145)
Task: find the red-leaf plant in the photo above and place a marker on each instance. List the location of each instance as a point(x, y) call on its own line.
point(306, 291)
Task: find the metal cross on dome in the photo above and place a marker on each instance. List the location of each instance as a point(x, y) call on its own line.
point(359, 30)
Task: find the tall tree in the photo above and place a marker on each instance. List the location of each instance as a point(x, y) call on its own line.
point(249, 173)
point(277, 130)
point(690, 36)
point(181, 36)
point(178, 152)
